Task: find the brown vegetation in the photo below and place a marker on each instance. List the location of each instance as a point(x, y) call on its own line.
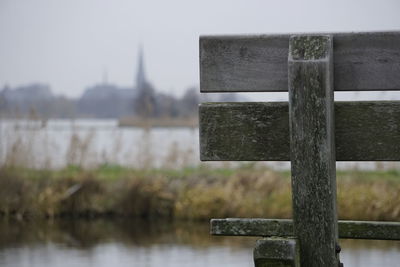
point(187, 194)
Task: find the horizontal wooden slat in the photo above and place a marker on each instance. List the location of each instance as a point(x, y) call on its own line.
point(284, 228)
point(362, 62)
point(364, 131)
point(252, 227)
point(369, 230)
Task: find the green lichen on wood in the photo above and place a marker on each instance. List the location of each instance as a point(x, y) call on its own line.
point(309, 47)
point(369, 230)
point(237, 131)
point(274, 252)
point(246, 227)
point(284, 228)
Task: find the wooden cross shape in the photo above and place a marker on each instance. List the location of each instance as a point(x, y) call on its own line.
point(312, 131)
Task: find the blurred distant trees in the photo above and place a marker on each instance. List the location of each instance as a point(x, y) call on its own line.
point(103, 101)
point(145, 102)
point(35, 99)
point(189, 102)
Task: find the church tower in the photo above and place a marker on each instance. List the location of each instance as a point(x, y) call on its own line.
point(145, 100)
point(140, 74)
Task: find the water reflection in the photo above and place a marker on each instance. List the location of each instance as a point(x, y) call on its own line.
point(118, 243)
point(122, 243)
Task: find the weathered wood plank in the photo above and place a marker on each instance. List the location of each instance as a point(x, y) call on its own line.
point(284, 228)
point(244, 131)
point(369, 230)
point(362, 62)
point(312, 149)
point(276, 252)
point(252, 227)
point(365, 131)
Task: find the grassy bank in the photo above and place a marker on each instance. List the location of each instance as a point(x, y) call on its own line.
point(186, 194)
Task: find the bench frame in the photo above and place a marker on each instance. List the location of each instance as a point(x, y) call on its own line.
point(310, 67)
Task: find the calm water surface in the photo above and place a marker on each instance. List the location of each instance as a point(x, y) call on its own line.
point(105, 243)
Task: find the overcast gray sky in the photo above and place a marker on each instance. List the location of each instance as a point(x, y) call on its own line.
point(69, 43)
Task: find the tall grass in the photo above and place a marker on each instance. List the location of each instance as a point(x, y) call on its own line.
point(28, 144)
point(187, 194)
point(93, 185)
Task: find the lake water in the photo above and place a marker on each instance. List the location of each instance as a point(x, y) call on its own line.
point(120, 243)
point(90, 143)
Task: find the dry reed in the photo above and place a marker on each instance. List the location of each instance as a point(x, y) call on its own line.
point(187, 194)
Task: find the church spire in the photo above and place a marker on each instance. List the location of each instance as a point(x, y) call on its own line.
point(140, 75)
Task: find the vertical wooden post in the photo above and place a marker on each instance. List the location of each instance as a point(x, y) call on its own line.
point(312, 150)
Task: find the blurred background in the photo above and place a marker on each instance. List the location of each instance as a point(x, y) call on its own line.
point(99, 157)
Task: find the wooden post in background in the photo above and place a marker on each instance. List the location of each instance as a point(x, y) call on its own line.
point(312, 148)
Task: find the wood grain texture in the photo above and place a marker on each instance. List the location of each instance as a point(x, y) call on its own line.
point(362, 62)
point(252, 227)
point(312, 149)
point(364, 131)
point(244, 131)
point(276, 252)
point(369, 230)
point(284, 228)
